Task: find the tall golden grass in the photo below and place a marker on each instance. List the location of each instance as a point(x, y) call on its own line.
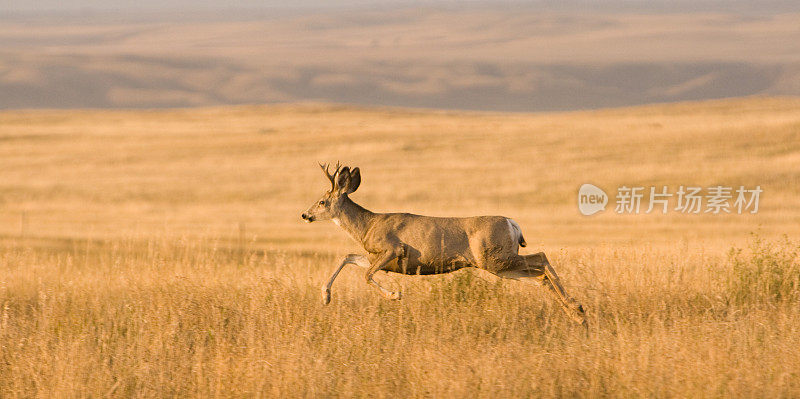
point(153, 254)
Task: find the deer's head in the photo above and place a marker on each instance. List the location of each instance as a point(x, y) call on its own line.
point(343, 182)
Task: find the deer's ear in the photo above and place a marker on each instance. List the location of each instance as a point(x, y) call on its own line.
point(342, 179)
point(355, 180)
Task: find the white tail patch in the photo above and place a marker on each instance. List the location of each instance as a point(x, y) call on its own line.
point(516, 232)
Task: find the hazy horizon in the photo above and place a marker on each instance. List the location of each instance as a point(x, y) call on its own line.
point(770, 6)
point(485, 55)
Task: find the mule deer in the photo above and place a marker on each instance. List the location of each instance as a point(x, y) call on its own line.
point(413, 244)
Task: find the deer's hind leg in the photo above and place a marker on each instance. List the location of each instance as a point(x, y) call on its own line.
point(537, 270)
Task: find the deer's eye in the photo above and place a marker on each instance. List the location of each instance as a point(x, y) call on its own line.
point(322, 202)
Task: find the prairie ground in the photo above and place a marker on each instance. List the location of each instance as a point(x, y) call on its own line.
point(161, 253)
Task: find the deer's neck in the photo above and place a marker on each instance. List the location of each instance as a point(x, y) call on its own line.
point(354, 219)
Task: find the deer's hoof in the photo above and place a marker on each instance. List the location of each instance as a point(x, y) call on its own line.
point(580, 317)
point(326, 296)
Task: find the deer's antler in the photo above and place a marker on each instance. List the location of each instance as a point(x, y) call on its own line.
point(331, 177)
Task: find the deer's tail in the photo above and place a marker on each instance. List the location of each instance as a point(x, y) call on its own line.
point(516, 232)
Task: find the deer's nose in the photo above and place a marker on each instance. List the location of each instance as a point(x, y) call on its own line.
point(304, 216)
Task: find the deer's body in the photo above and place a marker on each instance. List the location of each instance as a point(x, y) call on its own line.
point(414, 244)
point(433, 245)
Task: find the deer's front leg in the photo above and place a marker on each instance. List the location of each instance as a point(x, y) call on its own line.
point(352, 259)
point(379, 263)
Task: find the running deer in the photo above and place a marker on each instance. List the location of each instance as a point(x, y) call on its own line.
point(414, 244)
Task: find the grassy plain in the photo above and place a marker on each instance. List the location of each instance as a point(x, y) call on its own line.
point(161, 253)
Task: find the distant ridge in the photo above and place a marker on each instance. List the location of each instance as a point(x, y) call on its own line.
point(474, 59)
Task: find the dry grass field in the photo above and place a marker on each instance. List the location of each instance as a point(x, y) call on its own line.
point(161, 254)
